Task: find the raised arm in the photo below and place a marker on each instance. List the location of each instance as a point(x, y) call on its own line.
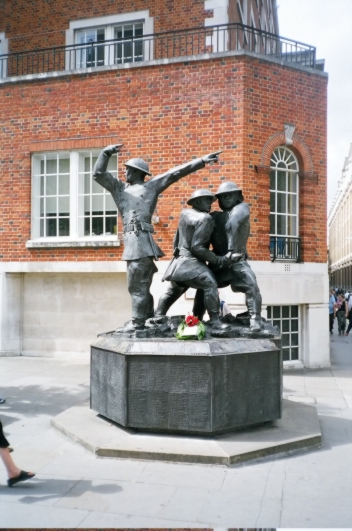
point(103, 177)
point(163, 181)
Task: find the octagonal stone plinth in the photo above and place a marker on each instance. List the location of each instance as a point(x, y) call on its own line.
point(198, 387)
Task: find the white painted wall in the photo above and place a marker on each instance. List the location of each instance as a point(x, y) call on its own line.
point(63, 313)
point(58, 308)
point(11, 314)
point(306, 285)
point(220, 10)
point(315, 336)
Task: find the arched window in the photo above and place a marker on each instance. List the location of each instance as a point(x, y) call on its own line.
point(284, 201)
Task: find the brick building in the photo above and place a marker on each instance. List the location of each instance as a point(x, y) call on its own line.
point(340, 230)
point(172, 81)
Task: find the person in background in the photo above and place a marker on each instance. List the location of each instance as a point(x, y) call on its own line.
point(332, 302)
point(224, 307)
point(14, 473)
point(349, 307)
point(341, 312)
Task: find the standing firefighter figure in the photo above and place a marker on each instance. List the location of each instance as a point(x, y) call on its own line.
point(231, 232)
point(136, 201)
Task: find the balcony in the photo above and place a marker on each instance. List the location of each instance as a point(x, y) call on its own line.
point(159, 46)
point(285, 248)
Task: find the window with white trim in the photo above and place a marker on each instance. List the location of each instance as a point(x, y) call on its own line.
point(127, 49)
point(67, 204)
point(3, 51)
point(284, 193)
point(110, 40)
point(287, 319)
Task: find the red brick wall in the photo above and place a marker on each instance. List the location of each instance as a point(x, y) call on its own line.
point(167, 114)
point(31, 24)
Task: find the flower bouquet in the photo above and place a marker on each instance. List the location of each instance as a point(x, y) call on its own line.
point(191, 328)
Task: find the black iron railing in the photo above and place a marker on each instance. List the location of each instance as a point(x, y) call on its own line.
point(193, 41)
point(285, 248)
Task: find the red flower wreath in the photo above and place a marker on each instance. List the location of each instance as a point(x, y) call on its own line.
point(191, 320)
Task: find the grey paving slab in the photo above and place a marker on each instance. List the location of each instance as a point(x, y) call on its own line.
point(184, 475)
point(257, 481)
point(308, 490)
point(185, 504)
point(325, 393)
point(42, 490)
point(331, 403)
point(118, 497)
point(107, 520)
point(17, 515)
point(327, 509)
point(35, 460)
point(226, 509)
point(269, 513)
point(85, 465)
point(320, 381)
point(336, 428)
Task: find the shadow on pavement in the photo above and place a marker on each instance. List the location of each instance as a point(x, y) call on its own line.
point(54, 489)
point(31, 401)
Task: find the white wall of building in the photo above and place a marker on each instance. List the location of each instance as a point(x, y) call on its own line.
point(58, 308)
point(305, 285)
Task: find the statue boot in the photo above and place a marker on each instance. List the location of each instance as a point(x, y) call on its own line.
point(254, 310)
point(131, 326)
point(215, 323)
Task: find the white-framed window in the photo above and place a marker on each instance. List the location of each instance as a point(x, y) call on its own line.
point(284, 193)
point(93, 54)
point(287, 319)
point(3, 51)
point(102, 36)
point(129, 51)
point(67, 204)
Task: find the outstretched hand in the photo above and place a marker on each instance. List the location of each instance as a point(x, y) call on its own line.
point(211, 158)
point(112, 149)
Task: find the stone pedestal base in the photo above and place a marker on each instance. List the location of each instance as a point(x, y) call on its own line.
point(196, 387)
point(297, 431)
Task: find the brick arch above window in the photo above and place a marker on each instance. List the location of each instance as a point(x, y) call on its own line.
point(299, 147)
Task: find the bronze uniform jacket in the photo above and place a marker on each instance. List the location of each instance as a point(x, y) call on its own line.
point(136, 204)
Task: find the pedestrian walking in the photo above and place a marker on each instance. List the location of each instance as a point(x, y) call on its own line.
point(349, 307)
point(332, 302)
point(15, 474)
point(341, 312)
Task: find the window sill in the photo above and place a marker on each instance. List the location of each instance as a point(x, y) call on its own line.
point(286, 259)
point(42, 244)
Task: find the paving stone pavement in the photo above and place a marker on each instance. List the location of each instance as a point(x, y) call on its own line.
point(75, 489)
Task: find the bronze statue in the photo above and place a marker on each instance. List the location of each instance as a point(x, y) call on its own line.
point(230, 234)
point(136, 201)
point(188, 269)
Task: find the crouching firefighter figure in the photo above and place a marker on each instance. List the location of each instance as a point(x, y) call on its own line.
point(230, 234)
point(188, 269)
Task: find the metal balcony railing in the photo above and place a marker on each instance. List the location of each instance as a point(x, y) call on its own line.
point(285, 248)
point(193, 41)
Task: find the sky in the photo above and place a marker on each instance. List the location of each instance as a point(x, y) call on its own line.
point(326, 24)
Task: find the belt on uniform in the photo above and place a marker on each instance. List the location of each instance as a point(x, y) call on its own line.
point(186, 253)
point(141, 225)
